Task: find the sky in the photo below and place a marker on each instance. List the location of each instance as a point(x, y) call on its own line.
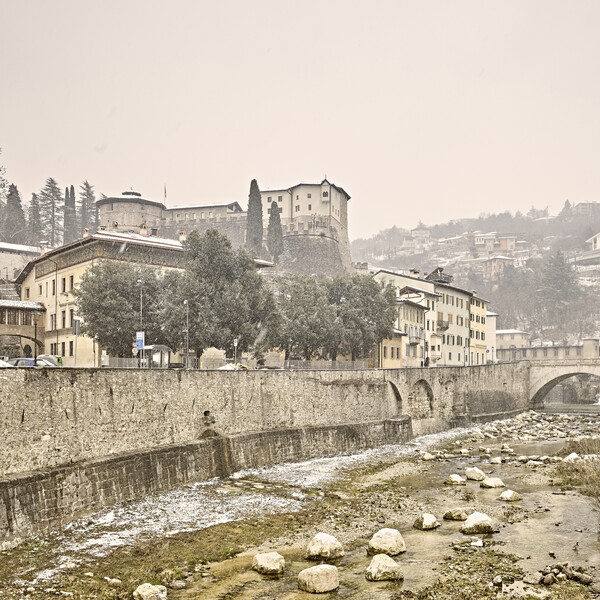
point(421, 110)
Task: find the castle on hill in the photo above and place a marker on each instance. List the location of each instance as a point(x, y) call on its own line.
point(314, 219)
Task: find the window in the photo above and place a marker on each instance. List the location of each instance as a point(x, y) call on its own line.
point(26, 292)
point(524, 352)
point(71, 282)
point(545, 352)
point(385, 352)
point(309, 196)
point(210, 214)
point(449, 355)
point(26, 318)
point(325, 194)
point(310, 205)
point(202, 215)
point(535, 354)
point(483, 335)
point(46, 289)
point(578, 351)
point(63, 284)
point(63, 316)
point(13, 317)
point(71, 348)
point(297, 197)
point(279, 198)
point(297, 208)
point(555, 351)
point(567, 351)
point(54, 287)
point(71, 317)
point(40, 289)
point(62, 348)
point(269, 199)
point(52, 321)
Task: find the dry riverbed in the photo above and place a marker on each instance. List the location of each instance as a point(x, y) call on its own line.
point(202, 539)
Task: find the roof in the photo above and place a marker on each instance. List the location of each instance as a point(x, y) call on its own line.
point(411, 288)
point(337, 187)
point(489, 313)
point(399, 332)
point(21, 304)
point(586, 241)
point(19, 248)
point(411, 303)
point(508, 331)
point(214, 205)
point(130, 196)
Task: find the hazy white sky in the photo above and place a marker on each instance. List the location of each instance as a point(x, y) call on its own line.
point(425, 110)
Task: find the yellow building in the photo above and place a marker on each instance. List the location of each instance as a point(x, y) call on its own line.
point(477, 332)
point(51, 279)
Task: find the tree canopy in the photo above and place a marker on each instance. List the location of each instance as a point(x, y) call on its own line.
point(275, 233)
point(254, 223)
point(13, 227)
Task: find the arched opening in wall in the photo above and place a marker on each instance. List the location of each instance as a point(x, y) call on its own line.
point(571, 390)
point(398, 398)
point(421, 400)
point(27, 353)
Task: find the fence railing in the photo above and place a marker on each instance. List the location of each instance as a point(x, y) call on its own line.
point(333, 365)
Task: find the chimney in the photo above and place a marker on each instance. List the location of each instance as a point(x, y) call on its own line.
point(86, 232)
point(43, 249)
point(143, 229)
point(182, 236)
point(414, 272)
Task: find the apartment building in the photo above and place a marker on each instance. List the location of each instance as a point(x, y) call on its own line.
point(477, 332)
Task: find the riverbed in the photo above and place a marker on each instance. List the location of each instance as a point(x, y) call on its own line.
point(349, 497)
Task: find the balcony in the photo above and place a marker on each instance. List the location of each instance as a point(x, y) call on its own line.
point(442, 325)
point(414, 340)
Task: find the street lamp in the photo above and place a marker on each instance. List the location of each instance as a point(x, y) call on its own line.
point(141, 319)
point(36, 316)
point(187, 333)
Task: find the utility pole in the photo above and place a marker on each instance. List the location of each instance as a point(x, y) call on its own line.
point(187, 334)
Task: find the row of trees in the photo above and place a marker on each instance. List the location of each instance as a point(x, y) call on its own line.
point(52, 217)
point(226, 299)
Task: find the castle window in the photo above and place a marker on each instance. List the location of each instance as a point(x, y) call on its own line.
point(279, 198)
point(297, 208)
point(310, 205)
point(325, 194)
point(269, 198)
point(202, 215)
point(280, 209)
point(309, 196)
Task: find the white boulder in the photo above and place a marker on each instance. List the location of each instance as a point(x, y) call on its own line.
point(492, 482)
point(455, 479)
point(427, 456)
point(426, 521)
point(268, 563)
point(324, 545)
point(387, 541)
point(477, 523)
point(497, 460)
point(475, 474)
point(147, 591)
point(510, 496)
point(319, 579)
point(384, 568)
point(572, 457)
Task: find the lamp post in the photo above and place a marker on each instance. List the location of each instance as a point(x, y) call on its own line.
point(187, 334)
point(36, 316)
point(141, 318)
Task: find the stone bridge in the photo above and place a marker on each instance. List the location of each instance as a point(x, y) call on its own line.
point(74, 440)
point(545, 375)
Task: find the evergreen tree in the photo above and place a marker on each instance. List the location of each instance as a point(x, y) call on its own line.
point(70, 226)
point(3, 183)
point(254, 224)
point(51, 213)
point(13, 227)
point(88, 213)
point(275, 233)
point(34, 223)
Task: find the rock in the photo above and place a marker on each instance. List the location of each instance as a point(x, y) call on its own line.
point(464, 451)
point(572, 457)
point(477, 523)
point(533, 578)
point(427, 456)
point(497, 580)
point(492, 482)
point(115, 582)
point(475, 474)
point(583, 578)
point(324, 545)
point(594, 587)
point(458, 514)
point(319, 579)
point(384, 568)
point(88, 574)
point(549, 579)
point(497, 460)
point(178, 584)
point(426, 521)
point(387, 541)
point(147, 591)
point(268, 563)
point(510, 496)
point(455, 479)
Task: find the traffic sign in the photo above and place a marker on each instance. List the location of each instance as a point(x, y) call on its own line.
point(139, 340)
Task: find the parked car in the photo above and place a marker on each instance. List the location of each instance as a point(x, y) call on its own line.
point(55, 360)
point(4, 364)
point(30, 362)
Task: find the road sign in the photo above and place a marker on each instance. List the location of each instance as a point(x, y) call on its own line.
point(235, 342)
point(139, 340)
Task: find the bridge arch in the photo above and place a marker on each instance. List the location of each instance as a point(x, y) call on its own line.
point(420, 399)
point(542, 378)
point(397, 397)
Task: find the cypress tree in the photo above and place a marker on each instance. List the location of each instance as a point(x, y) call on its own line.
point(254, 224)
point(70, 216)
point(88, 212)
point(13, 226)
point(34, 223)
point(275, 233)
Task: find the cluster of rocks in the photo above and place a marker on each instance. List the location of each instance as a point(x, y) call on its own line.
point(558, 573)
